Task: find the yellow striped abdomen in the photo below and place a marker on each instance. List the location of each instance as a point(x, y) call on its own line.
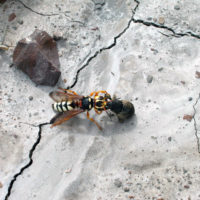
point(64, 106)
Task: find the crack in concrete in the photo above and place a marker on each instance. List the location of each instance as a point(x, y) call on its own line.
point(30, 160)
point(98, 4)
point(104, 48)
point(175, 34)
point(189, 33)
point(52, 14)
point(39, 13)
point(146, 23)
point(195, 124)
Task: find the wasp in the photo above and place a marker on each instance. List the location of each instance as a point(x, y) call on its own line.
point(69, 104)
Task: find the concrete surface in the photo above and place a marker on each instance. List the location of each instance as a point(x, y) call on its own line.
point(147, 53)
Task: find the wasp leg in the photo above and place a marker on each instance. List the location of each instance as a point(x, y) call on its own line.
point(68, 91)
point(97, 111)
point(109, 115)
point(91, 119)
point(92, 93)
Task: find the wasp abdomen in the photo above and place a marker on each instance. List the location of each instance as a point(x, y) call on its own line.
point(64, 106)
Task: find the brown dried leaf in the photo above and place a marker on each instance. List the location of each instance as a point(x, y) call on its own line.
point(11, 17)
point(188, 117)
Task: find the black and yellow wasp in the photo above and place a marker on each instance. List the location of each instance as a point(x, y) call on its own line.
point(69, 104)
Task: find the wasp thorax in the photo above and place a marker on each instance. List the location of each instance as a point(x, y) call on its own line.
point(87, 103)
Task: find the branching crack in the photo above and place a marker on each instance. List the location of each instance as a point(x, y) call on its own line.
point(104, 48)
point(189, 33)
point(175, 34)
point(146, 23)
point(30, 160)
point(76, 79)
point(195, 124)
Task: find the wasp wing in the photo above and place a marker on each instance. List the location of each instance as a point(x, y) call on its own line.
point(62, 117)
point(64, 96)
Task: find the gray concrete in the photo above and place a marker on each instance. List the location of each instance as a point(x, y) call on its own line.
point(119, 45)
